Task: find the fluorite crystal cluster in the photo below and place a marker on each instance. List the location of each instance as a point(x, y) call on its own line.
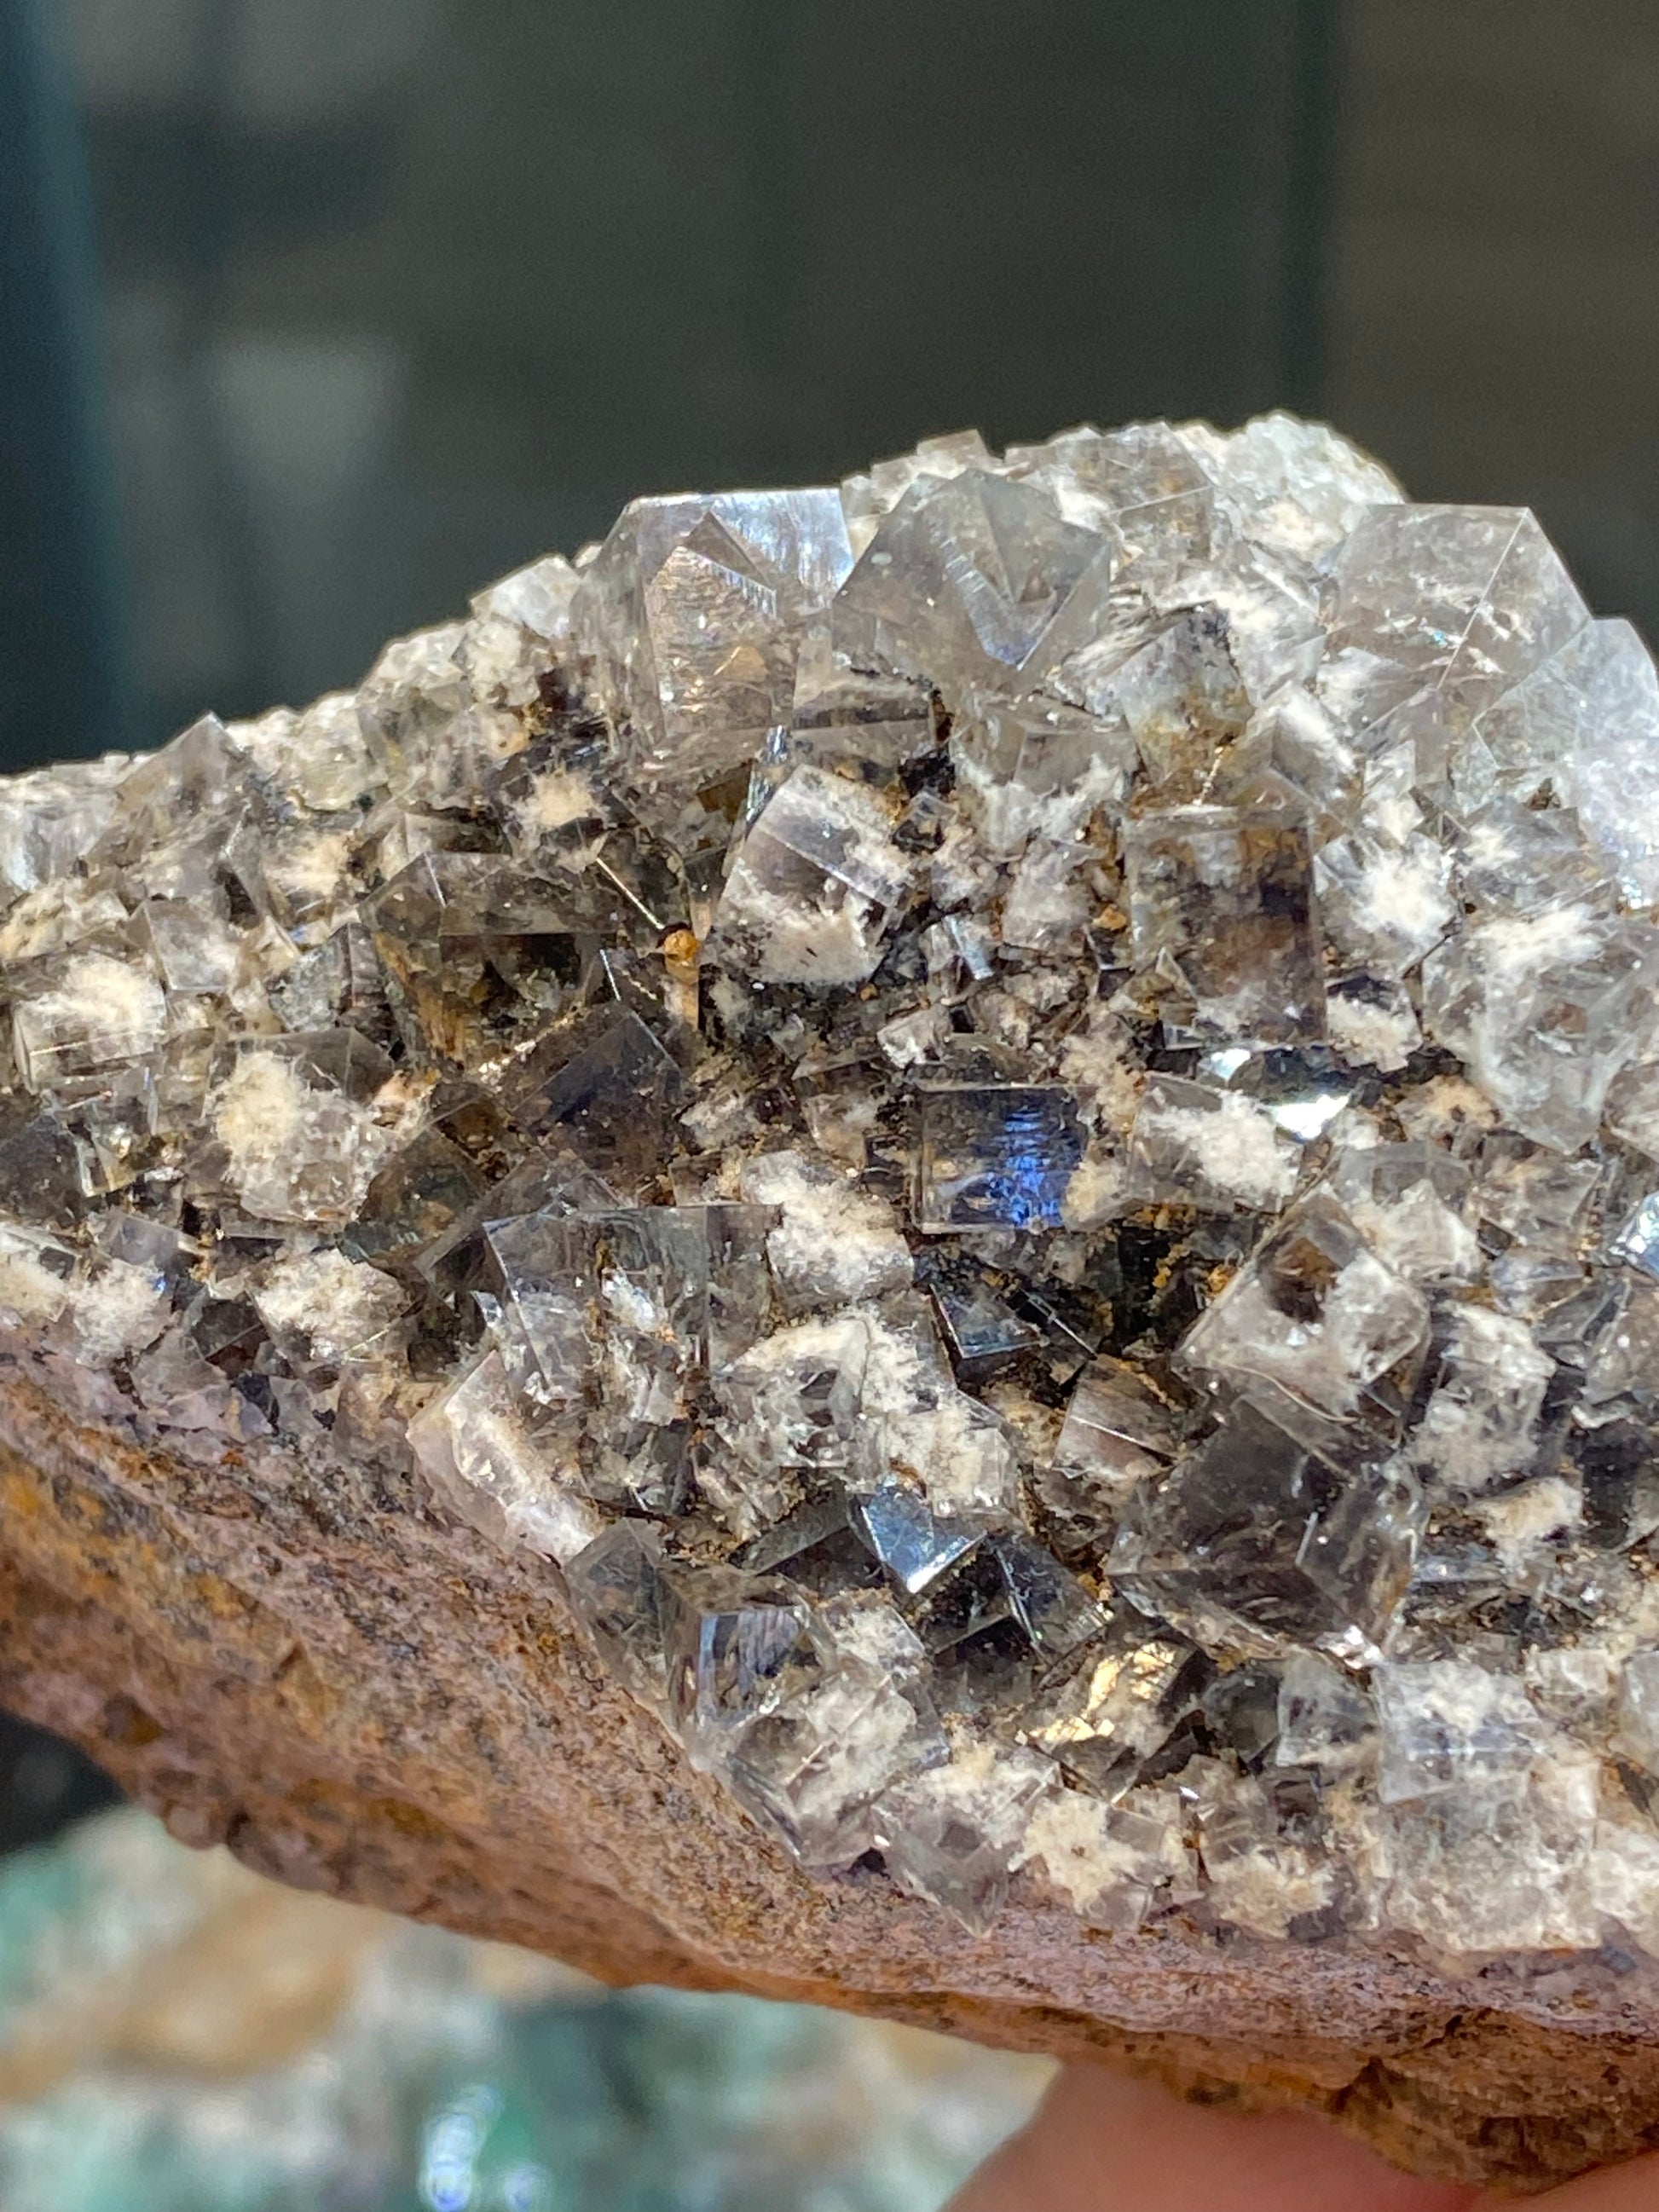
point(1011, 1112)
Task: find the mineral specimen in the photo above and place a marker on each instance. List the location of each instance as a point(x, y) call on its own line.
point(1009, 1115)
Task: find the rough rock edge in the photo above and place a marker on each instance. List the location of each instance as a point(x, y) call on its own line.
point(357, 1696)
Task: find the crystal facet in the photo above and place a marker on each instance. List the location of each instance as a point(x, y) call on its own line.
point(1221, 902)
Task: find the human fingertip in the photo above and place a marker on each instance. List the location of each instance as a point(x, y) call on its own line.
point(1630, 2187)
point(1104, 2141)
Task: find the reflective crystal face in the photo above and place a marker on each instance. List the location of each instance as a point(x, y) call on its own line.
point(1011, 1113)
point(1261, 1535)
point(1221, 904)
point(994, 1156)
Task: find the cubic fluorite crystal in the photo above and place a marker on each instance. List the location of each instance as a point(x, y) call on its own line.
point(1011, 1113)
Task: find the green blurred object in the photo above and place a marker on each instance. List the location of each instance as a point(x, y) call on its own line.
point(61, 688)
point(177, 2035)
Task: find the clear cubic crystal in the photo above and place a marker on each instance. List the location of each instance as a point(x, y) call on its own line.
point(994, 1156)
point(1222, 908)
point(1264, 1537)
point(1315, 1312)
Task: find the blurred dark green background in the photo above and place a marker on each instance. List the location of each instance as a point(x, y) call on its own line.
point(313, 315)
point(371, 301)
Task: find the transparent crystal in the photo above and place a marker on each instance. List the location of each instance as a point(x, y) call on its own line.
point(1294, 752)
point(844, 717)
point(538, 597)
point(1221, 903)
point(982, 1332)
point(1148, 483)
point(1327, 1720)
point(865, 499)
point(811, 1768)
point(1032, 767)
point(1048, 900)
point(482, 949)
point(1263, 1538)
point(1051, 1607)
point(1316, 1313)
point(1193, 1146)
point(953, 1833)
point(1105, 1710)
point(1411, 1204)
point(1481, 1421)
point(1183, 703)
point(1638, 1240)
point(1447, 1725)
point(1384, 905)
point(1113, 1863)
point(1118, 1431)
point(1299, 487)
point(911, 1542)
point(994, 1156)
point(920, 1423)
point(1301, 1090)
point(496, 1472)
point(788, 1415)
point(737, 1647)
point(610, 1093)
point(687, 616)
point(1585, 726)
point(1472, 598)
point(1543, 1008)
point(1467, 1874)
point(834, 1244)
point(322, 1310)
point(1269, 1870)
point(419, 1195)
point(976, 583)
point(618, 1593)
point(815, 885)
point(76, 1017)
point(51, 817)
point(1517, 858)
point(301, 1125)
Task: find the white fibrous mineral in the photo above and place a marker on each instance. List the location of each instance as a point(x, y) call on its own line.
point(1011, 1113)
